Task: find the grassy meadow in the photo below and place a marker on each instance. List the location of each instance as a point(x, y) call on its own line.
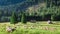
point(32, 28)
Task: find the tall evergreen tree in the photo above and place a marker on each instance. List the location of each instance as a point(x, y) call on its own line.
point(13, 19)
point(23, 18)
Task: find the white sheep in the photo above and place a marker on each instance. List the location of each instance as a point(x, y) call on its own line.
point(9, 29)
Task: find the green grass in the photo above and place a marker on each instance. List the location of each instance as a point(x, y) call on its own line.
point(32, 28)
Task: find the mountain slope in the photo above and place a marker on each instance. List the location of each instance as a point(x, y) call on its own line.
point(9, 2)
point(20, 6)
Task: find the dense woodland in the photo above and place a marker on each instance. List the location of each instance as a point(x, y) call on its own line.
point(50, 10)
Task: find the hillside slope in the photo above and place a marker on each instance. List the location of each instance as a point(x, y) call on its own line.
point(18, 5)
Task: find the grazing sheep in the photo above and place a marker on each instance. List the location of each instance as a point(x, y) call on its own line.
point(49, 22)
point(9, 29)
point(33, 21)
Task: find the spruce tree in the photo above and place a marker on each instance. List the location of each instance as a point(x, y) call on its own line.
point(23, 18)
point(13, 19)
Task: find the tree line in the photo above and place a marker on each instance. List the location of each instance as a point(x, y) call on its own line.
point(50, 12)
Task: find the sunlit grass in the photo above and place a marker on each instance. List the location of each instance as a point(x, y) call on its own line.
point(32, 28)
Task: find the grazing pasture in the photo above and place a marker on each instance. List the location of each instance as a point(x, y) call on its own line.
point(41, 27)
